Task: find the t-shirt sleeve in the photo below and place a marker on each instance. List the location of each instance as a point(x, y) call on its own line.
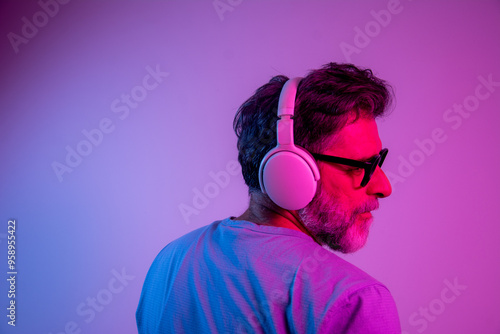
point(368, 310)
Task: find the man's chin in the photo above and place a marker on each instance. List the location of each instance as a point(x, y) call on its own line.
point(353, 240)
point(353, 246)
point(357, 234)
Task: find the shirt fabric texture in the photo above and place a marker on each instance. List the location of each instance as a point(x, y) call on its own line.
point(239, 277)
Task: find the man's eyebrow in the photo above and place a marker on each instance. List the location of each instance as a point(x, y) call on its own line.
point(368, 158)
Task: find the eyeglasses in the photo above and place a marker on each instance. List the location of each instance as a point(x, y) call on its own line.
point(368, 166)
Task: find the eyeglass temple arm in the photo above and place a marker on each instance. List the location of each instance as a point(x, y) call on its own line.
point(343, 161)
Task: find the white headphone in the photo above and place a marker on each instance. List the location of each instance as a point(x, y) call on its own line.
point(288, 174)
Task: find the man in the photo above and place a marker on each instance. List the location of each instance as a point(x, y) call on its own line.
point(272, 269)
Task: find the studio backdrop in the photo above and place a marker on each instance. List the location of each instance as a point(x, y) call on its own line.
point(116, 138)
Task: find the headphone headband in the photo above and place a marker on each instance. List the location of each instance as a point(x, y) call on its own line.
point(286, 103)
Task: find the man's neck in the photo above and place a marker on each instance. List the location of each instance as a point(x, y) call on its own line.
point(263, 212)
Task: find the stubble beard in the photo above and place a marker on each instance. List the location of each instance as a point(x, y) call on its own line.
point(333, 225)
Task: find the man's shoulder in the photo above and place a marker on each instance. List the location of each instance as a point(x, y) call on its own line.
point(321, 267)
point(291, 252)
point(339, 291)
point(183, 242)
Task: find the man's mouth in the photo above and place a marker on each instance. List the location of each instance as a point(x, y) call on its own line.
point(366, 215)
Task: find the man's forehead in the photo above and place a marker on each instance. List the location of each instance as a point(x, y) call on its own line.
point(357, 140)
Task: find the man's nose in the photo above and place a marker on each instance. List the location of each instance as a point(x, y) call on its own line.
point(379, 184)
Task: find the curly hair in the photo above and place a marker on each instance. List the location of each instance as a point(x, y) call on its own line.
point(326, 99)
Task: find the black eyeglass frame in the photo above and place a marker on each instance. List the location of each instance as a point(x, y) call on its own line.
point(368, 166)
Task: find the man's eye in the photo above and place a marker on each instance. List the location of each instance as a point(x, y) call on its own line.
point(355, 169)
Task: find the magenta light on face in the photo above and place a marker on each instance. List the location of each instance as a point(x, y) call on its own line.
point(117, 138)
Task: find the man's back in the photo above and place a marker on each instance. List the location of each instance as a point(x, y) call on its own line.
point(239, 277)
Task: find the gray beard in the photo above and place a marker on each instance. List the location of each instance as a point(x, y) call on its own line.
point(329, 222)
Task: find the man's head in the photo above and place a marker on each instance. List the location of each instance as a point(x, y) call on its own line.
point(335, 110)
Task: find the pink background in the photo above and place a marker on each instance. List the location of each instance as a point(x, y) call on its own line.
point(121, 204)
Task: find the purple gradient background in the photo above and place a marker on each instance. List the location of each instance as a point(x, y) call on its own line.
point(120, 206)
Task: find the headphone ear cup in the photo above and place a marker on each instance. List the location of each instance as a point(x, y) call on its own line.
point(289, 176)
